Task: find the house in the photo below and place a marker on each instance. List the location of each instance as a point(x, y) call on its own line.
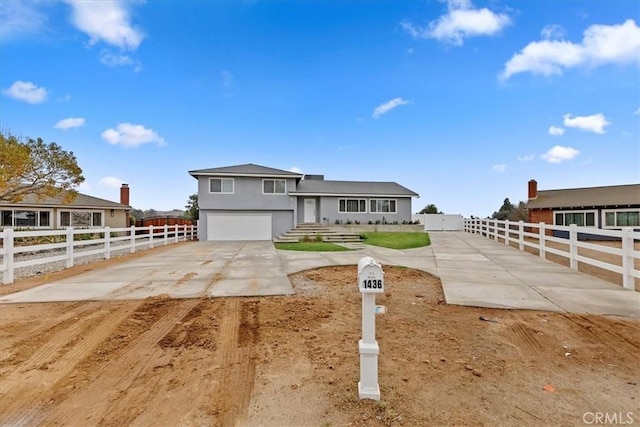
point(53, 212)
point(611, 207)
point(253, 202)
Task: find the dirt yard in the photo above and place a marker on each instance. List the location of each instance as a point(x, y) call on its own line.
point(293, 361)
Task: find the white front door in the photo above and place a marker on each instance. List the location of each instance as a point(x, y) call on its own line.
point(309, 210)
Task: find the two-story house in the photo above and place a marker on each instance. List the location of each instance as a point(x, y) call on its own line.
point(252, 202)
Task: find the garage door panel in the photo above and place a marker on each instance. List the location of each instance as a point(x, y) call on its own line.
point(238, 226)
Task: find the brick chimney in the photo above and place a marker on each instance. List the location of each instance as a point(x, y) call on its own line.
point(124, 194)
point(533, 189)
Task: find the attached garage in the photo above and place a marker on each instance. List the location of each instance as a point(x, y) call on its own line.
point(239, 226)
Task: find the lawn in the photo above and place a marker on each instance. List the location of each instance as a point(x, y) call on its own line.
point(311, 247)
point(397, 240)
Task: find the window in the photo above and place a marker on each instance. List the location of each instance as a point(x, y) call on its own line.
point(81, 219)
point(579, 218)
point(221, 185)
point(622, 218)
point(383, 206)
point(24, 218)
point(274, 186)
point(353, 205)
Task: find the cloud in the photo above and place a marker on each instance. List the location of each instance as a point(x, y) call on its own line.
point(295, 169)
point(27, 92)
point(68, 123)
point(20, 18)
point(526, 158)
point(129, 135)
point(461, 21)
point(637, 112)
point(559, 154)
point(553, 32)
point(500, 168)
point(594, 123)
point(601, 44)
point(111, 60)
point(110, 182)
point(388, 106)
point(106, 21)
point(84, 186)
point(556, 131)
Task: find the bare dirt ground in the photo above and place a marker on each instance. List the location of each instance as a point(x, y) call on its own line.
point(293, 361)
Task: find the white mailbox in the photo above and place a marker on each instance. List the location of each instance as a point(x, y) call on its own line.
point(370, 276)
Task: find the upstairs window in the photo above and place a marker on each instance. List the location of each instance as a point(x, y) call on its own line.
point(221, 185)
point(274, 186)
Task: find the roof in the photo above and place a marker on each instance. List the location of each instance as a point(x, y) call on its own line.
point(248, 169)
point(609, 196)
point(81, 201)
point(351, 188)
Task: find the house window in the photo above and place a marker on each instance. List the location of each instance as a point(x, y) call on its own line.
point(383, 206)
point(81, 219)
point(579, 218)
point(24, 218)
point(274, 186)
point(353, 205)
point(622, 218)
point(221, 185)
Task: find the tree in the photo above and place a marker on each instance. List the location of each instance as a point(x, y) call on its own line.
point(193, 211)
point(35, 167)
point(430, 209)
point(511, 212)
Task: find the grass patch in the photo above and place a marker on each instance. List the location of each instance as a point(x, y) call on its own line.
point(311, 247)
point(397, 240)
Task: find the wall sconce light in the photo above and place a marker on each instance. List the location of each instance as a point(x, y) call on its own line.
point(113, 212)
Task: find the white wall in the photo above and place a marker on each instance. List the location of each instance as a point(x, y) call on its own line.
point(440, 222)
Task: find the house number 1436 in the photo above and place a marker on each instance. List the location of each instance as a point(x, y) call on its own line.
point(371, 284)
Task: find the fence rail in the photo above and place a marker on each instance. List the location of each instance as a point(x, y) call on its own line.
point(538, 235)
point(71, 243)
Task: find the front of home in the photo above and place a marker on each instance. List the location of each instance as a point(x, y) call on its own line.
point(253, 202)
point(83, 211)
point(607, 207)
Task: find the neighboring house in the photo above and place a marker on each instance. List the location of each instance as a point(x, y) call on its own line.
point(609, 207)
point(53, 212)
point(252, 202)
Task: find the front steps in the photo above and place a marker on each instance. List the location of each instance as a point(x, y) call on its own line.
point(313, 232)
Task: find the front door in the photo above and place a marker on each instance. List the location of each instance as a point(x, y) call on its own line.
point(309, 210)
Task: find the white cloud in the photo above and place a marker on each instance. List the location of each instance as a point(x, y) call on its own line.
point(500, 168)
point(637, 112)
point(110, 182)
point(556, 131)
point(553, 32)
point(527, 158)
point(601, 44)
point(27, 92)
point(130, 135)
point(559, 154)
point(594, 123)
point(108, 21)
point(295, 169)
point(388, 106)
point(84, 186)
point(19, 18)
point(70, 122)
point(113, 60)
point(462, 20)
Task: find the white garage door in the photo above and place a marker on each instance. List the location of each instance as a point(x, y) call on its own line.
point(238, 226)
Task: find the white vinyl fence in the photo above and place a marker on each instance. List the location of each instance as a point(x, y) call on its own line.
point(50, 246)
point(535, 236)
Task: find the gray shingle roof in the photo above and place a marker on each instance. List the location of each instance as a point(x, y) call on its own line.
point(355, 188)
point(243, 170)
point(613, 195)
point(81, 201)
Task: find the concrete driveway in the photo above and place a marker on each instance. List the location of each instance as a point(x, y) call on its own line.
point(211, 269)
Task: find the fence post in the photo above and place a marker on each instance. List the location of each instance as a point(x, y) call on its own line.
point(69, 247)
point(166, 234)
point(542, 242)
point(521, 235)
point(627, 259)
point(133, 239)
point(176, 235)
point(573, 246)
point(107, 243)
point(507, 227)
point(7, 242)
point(151, 236)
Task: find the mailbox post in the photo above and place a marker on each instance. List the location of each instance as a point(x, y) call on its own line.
point(370, 282)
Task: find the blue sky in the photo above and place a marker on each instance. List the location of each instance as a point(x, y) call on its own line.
point(460, 101)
